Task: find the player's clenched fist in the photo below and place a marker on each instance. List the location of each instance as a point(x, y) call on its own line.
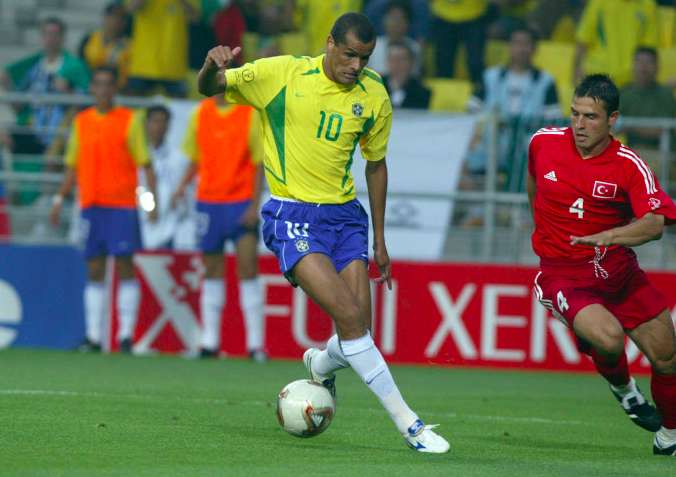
point(221, 57)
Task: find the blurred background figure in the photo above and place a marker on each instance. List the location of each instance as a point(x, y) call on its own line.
point(159, 45)
point(172, 225)
point(455, 22)
point(109, 45)
point(402, 83)
point(51, 70)
point(224, 145)
point(397, 21)
point(229, 27)
point(419, 18)
point(608, 34)
point(106, 146)
point(524, 97)
point(644, 97)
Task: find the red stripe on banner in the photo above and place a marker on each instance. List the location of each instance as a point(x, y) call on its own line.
point(436, 314)
point(5, 229)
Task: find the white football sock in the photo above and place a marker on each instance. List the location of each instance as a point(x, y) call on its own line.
point(212, 300)
point(330, 359)
point(251, 300)
point(628, 388)
point(666, 437)
point(93, 298)
point(369, 364)
point(128, 299)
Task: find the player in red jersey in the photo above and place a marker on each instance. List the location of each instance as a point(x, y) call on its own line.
point(592, 199)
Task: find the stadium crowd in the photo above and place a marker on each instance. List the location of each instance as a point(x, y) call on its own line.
point(519, 58)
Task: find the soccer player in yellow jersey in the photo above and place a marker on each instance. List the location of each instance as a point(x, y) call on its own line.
point(315, 111)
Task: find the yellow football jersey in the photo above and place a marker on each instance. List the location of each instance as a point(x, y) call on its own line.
point(312, 125)
point(612, 30)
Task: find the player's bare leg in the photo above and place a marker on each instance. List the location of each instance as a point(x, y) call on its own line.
point(598, 327)
point(128, 299)
point(94, 299)
point(346, 298)
point(251, 296)
point(212, 300)
point(657, 340)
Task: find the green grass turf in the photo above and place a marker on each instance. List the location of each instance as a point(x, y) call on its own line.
point(66, 414)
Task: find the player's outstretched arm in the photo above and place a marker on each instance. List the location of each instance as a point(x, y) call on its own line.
point(643, 230)
point(211, 78)
point(376, 180)
point(65, 189)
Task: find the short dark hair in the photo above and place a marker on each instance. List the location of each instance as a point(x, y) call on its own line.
point(401, 5)
point(54, 21)
point(646, 50)
point(524, 28)
point(601, 88)
point(106, 69)
point(158, 108)
point(357, 23)
point(114, 7)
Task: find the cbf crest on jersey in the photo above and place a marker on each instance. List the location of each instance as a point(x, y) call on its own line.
point(357, 109)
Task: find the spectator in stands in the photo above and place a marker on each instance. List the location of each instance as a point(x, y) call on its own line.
point(174, 227)
point(522, 96)
point(229, 28)
point(644, 97)
point(52, 70)
point(107, 145)
point(318, 16)
point(223, 142)
point(608, 34)
point(455, 21)
point(109, 45)
point(159, 45)
point(397, 21)
point(405, 89)
point(420, 17)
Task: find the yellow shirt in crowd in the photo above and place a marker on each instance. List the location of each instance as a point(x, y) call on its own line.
point(159, 41)
point(457, 11)
point(318, 16)
point(612, 30)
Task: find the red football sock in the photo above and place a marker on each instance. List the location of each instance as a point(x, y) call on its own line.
point(663, 388)
point(615, 371)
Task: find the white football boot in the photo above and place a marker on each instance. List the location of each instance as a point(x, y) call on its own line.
point(328, 380)
point(422, 438)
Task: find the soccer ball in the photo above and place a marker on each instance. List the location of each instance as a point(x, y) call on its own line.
point(305, 408)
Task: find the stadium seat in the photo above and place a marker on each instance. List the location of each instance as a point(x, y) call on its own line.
point(667, 68)
point(449, 95)
point(666, 19)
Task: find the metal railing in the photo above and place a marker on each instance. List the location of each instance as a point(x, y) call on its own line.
point(502, 236)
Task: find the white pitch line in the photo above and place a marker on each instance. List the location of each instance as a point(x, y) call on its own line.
point(451, 415)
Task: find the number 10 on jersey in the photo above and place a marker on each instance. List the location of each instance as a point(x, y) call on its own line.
point(335, 122)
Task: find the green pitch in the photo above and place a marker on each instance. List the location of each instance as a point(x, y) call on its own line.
point(65, 414)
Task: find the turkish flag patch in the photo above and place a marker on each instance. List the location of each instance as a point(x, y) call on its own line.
point(604, 190)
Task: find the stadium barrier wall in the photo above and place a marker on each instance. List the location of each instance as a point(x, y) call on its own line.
point(438, 314)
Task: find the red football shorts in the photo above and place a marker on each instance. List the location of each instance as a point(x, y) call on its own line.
point(612, 279)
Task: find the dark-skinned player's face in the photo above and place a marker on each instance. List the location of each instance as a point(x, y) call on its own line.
point(590, 122)
point(347, 60)
point(103, 87)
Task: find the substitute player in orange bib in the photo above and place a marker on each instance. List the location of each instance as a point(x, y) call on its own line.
point(224, 144)
point(592, 199)
point(106, 147)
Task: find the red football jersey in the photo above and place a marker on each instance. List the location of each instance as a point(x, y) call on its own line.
point(576, 196)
